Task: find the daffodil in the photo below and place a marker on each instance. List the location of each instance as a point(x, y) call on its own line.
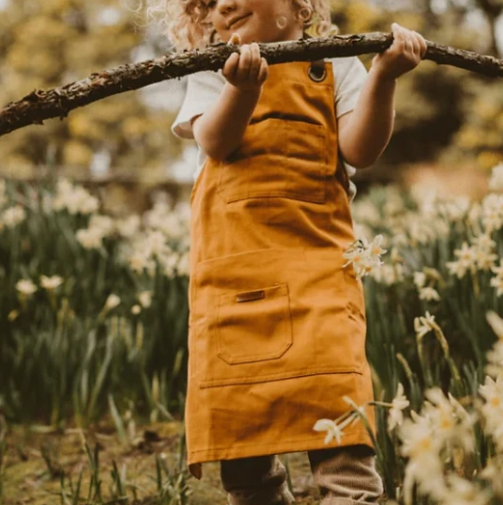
point(428, 293)
point(399, 403)
point(90, 238)
point(423, 325)
point(50, 283)
point(332, 429)
point(145, 298)
point(26, 287)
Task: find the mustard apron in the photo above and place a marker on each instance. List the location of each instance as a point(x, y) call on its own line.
point(277, 326)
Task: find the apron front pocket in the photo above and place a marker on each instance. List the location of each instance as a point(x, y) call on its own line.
point(254, 325)
point(275, 314)
point(278, 158)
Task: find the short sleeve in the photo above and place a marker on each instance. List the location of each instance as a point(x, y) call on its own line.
point(203, 88)
point(350, 75)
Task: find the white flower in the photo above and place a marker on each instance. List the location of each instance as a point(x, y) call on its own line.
point(496, 181)
point(423, 325)
point(421, 445)
point(366, 212)
point(419, 279)
point(440, 412)
point(129, 226)
point(492, 410)
point(492, 212)
point(375, 247)
point(418, 437)
point(454, 210)
point(497, 282)
point(496, 323)
point(474, 215)
point(364, 256)
point(50, 283)
point(399, 403)
point(466, 255)
point(495, 355)
point(75, 199)
point(112, 301)
point(173, 223)
point(388, 274)
point(492, 391)
point(484, 242)
point(138, 260)
point(332, 429)
point(469, 258)
point(484, 246)
point(145, 298)
point(485, 260)
point(457, 268)
point(427, 471)
point(495, 359)
point(90, 238)
point(429, 294)
point(464, 492)
point(183, 266)
point(13, 216)
point(26, 287)
point(102, 224)
point(155, 244)
point(168, 264)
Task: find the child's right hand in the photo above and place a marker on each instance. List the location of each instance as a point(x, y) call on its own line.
point(246, 71)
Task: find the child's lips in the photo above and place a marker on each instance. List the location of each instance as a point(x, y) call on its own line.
point(238, 20)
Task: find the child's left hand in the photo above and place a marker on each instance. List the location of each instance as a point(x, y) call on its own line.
point(404, 54)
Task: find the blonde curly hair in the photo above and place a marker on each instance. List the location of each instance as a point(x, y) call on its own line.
point(183, 21)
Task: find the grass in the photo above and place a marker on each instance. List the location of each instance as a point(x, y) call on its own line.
point(45, 467)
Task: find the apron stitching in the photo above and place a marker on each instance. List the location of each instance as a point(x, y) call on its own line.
point(295, 374)
point(354, 433)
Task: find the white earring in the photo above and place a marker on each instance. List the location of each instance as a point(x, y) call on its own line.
point(281, 22)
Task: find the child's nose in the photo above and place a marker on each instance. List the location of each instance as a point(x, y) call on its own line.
point(225, 6)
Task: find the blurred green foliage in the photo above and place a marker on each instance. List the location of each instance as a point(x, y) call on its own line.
point(444, 115)
point(55, 42)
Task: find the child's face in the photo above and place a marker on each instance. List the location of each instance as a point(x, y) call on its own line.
point(254, 20)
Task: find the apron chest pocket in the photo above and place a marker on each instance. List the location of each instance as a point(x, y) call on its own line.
point(254, 325)
point(278, 158)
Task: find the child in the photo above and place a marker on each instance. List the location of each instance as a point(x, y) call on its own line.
point(277, 326)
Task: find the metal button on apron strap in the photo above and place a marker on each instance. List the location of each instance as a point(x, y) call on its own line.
point(317, 71)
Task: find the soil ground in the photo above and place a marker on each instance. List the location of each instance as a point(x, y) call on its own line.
point(36, 457)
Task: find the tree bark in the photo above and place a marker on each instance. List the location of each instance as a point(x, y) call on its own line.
point(40, 105)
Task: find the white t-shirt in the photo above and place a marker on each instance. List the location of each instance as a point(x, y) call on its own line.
point(203, 88)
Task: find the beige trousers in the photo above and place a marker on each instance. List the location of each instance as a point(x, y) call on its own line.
point(345, 476)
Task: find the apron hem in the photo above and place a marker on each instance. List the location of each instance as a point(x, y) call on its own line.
point(238, 451)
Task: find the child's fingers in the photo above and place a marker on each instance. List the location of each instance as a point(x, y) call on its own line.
point(408, 40)
point(398, 37)
point(416, 45)
point(243, 70)
point(409, 43)
point(264, 71)
point(255, 61)
point(423, 47)
point(230, 66)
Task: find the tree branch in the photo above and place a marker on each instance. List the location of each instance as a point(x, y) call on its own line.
point(40, 105)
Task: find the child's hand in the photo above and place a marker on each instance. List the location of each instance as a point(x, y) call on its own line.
point(248, 70)
point(404, 54)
